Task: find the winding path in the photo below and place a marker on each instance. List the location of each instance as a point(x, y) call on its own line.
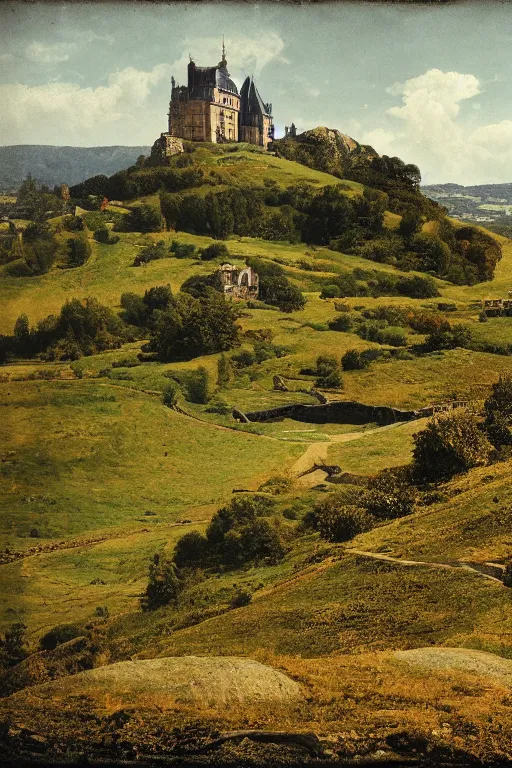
point(478, 568)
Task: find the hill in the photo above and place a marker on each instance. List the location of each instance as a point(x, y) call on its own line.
point(147, 517)
point(486, 203)
point(61, 165)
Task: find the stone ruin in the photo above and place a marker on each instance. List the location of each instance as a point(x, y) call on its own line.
point(240, 283)
point(166, 146)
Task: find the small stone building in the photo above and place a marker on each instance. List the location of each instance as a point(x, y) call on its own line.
point(240, 283)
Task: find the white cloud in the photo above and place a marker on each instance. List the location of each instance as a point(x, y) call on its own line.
point(48, 54)
point(433, 134)
point(246, 55)
point(65, 113)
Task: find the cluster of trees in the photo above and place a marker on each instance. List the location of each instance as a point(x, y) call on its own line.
point(243, 532)
point(179, 250)
point(362, 282)
point(342, 515)
point(81, 328)
point(274, 287)
point(463, 256)
point(137, 182)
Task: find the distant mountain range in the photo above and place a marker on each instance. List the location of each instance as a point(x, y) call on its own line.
point(57, 165)
point(480, 202)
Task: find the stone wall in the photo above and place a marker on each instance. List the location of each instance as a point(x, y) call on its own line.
point(166, 146)
point(338, 412)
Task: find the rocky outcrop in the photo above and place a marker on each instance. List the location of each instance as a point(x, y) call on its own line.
point(212, 682)
point(337, 412)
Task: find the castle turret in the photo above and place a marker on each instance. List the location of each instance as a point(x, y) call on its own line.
point(256, 122)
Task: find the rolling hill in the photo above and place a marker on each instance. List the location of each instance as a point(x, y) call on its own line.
point(396, 638)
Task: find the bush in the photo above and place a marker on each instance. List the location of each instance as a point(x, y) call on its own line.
point(225, 374)
point(276, 485)
point(353, 360)
point(341, 323)
point(12, 645)
point(452, 443)
point(164, 584)
point(102, 235)
point(498, 410)
point(331, 291)
point(337, 521)
point(389, 495)
point(214, 251)
point(191, 551)
point(328, 372)
point(58, 635)
point(394, 336)
point(79, 250)
point(170, 394)
point(143, 218)
point(241, 598)
point(197, 385)
point(449, 337)
point(182, 250)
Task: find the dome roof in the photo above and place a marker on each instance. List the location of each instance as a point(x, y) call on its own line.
point(224, 81)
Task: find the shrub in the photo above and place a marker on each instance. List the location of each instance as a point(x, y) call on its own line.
point(389, 495)
point(417, 287)
point(197, 384)
point(353, 360)
point(449, 337)
point(242, 597)
point(328, 372)
point(102, 235)
point(143, 218)
point(164, 584)
point(214, 251)
point(182, 250)
point(191, 551)
point(394, 336)
point(79, 250)
point(331, 291)
point(341, 323)
point(452, 443)
point(58, 635)
point(337, 521)
point(12, 645)
point(498, 410)
point(244, 358)
point(225, 373)
point(170, 394)
point(276, 485)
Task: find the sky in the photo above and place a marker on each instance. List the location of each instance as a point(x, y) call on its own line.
point(431, 84)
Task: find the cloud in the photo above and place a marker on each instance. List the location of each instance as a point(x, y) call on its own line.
point(60, 113)
point(431, 132)
point(48, 54)
point(246, 55)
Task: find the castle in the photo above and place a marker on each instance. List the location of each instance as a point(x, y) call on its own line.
point(210, 108)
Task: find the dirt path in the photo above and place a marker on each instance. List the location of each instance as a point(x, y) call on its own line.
point(317, 453)
point(455, 566)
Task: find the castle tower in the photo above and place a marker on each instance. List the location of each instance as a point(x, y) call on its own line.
point(256, 121)
point(208, 107)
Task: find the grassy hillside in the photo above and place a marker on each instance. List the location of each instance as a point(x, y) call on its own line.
point(97, 475)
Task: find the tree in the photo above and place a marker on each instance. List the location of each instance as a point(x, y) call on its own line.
point(279, 292)
point(409, 224)
point(79, 250)
point(452, 443)
point(12, 646)
point(170, 207)
point(198, 386)
point(498, 413)
point(144, 218)
point(170, 394)
point(58, 635)
point(337, 521)
point(135, 311)
point(191, 551)
point(225, 373)
point(449, 337)
point(164, 584)
point(22, 341)
point(328, 372)
point(215, 251)
point(353, 360)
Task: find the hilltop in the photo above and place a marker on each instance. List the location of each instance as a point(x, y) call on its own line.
point(154, 509)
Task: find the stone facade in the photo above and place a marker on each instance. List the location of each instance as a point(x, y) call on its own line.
point(166, 146)
point(240, 283)
point(210, 108)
